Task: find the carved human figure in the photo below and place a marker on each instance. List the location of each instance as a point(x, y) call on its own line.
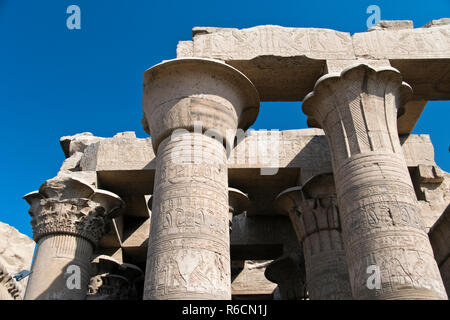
point(69, 217)
point(314, 215)
point(381, 222)
point(192, 109)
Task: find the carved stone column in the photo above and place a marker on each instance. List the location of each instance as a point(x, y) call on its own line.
point(314, 214)
point(192, 108)
point(238, 203)
point(381, 222)
point(68, 218)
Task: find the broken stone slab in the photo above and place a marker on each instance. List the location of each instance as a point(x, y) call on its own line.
point(77, 143)
point(115, 153)
point(438, 22)
point(392, 25)
point(72, 163)
point(251, 280)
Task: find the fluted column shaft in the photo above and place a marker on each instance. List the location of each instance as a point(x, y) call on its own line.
point(69, 217)
point(381, 222)
point(54, 255)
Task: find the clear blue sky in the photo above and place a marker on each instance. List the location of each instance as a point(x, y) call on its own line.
point(56, 82)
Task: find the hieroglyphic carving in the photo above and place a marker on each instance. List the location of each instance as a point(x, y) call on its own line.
point(189, 244)
point(227, 43)
point(189, 252)
point(381, 222)
point(417, 43)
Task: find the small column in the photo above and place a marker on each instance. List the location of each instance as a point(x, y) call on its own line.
point(238, 204)
point(388, 252)
point(68, 218)
point(192, 109)
point(314, 214)
point(113, 280)
point(289, 273)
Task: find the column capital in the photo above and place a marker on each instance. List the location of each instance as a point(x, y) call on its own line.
point(238, 203)
point(311, 207)
point(358, 108)
point(187, 92)
point(67, 205)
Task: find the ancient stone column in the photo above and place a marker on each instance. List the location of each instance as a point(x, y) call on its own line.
point(314, 214)
point(388, 253)
point(192, 108)
point(68, 218)
point(289, 273)
point(238, 204)
point(112, 280)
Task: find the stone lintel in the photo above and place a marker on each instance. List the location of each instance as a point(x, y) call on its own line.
point(284, 63)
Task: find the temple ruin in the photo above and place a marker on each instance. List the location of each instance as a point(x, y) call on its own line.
point(354, 207)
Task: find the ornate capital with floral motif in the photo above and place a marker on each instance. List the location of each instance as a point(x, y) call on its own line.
point(67, 205)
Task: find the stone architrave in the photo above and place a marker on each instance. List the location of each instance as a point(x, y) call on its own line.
point(314, 214)
point(388, 252)
point(238, 203)
point(192, 109)
point(69, 217)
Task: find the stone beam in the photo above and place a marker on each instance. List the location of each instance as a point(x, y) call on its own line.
point(299, 55)
point(126, 166)
point(284, 63)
